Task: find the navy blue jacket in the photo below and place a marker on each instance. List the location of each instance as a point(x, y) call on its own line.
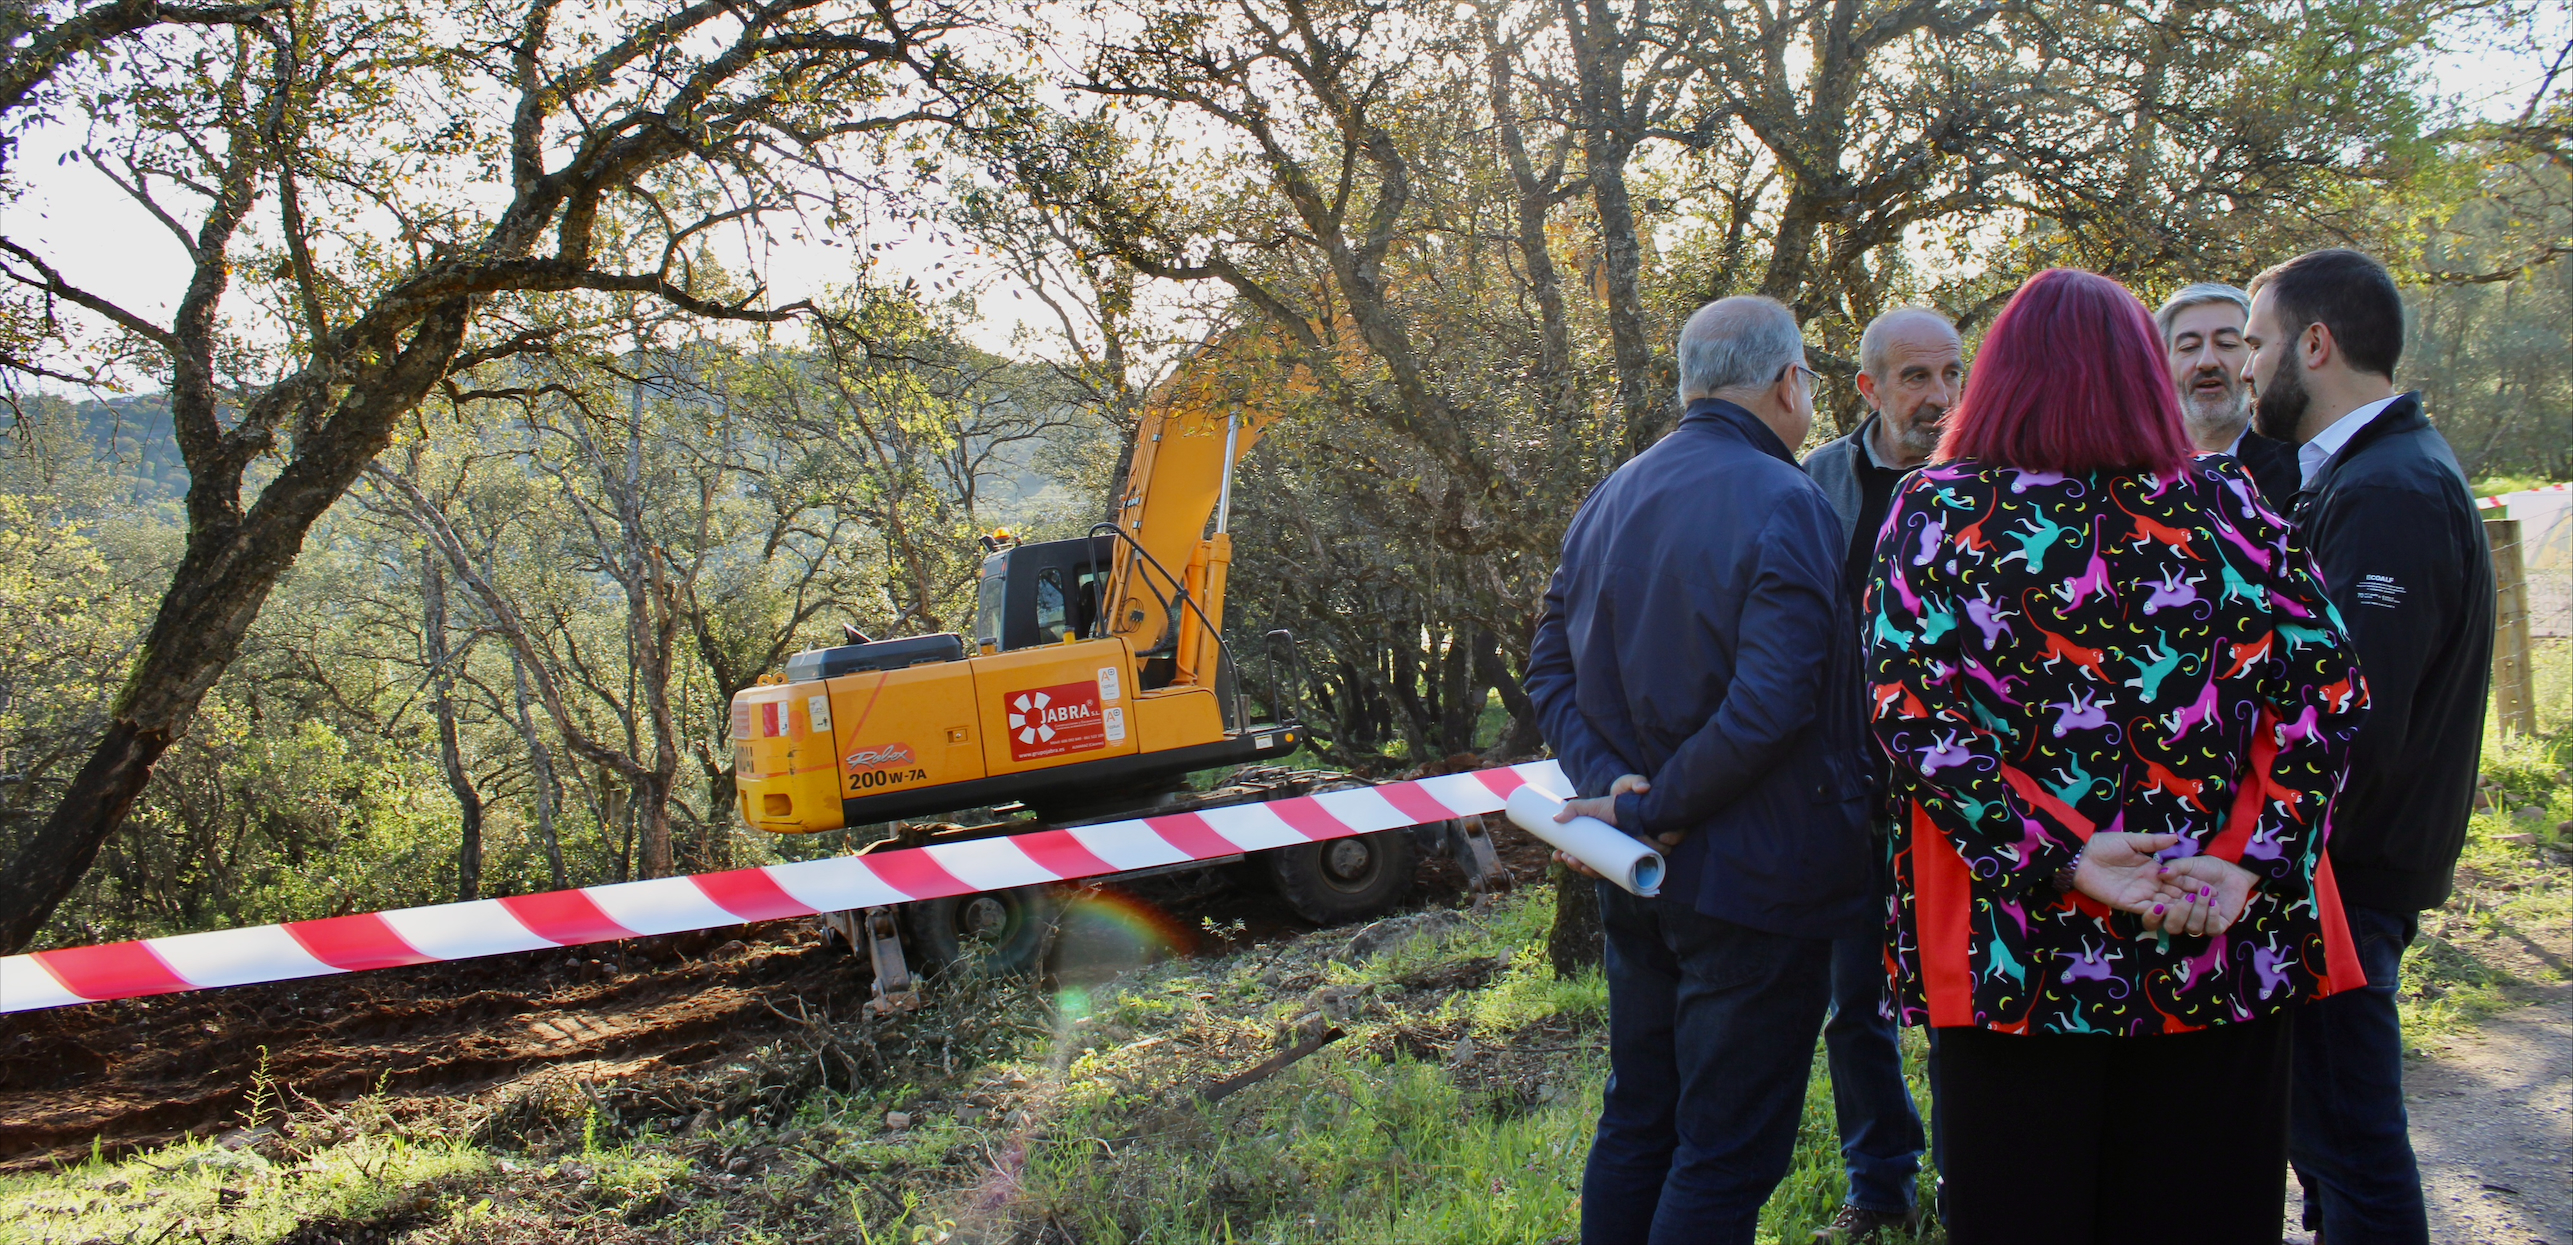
point(1693, 635)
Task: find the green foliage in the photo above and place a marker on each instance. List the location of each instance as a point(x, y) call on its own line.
point(239, 1193)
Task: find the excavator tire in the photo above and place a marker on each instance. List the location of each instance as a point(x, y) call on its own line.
point(1345, 879)
point(1007, 930)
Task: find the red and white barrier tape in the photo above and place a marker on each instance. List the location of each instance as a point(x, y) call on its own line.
point(461, 931)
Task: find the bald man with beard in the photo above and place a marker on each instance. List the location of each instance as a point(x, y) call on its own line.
point(1911, 369)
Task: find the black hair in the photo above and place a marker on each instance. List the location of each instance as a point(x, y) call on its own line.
point(2344, 291)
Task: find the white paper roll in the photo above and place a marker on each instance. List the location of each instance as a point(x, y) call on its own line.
point(1618, 856)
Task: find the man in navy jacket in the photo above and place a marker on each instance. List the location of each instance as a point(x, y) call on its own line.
point(1690, 675)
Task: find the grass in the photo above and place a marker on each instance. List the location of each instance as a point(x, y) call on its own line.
point(371, 1179)
point(1458, 1108)
point(2503, 937)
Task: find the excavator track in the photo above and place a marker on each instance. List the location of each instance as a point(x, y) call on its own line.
point(1324, 883)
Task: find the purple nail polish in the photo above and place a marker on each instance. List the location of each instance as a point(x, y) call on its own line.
point(2157, 909)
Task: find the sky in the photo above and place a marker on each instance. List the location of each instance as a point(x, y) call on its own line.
point(105, 242)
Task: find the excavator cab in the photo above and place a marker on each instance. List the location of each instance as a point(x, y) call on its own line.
point(1039, 594)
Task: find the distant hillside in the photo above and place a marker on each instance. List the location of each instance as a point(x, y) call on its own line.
point(134, 432)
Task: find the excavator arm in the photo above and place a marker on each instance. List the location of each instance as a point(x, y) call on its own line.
point(1181, 476)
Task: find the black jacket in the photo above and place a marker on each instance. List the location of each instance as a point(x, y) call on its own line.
point(2272, 465)
point(1693, 635)
point(2394, 531)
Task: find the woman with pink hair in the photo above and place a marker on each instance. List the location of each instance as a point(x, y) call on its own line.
point(2118, 708)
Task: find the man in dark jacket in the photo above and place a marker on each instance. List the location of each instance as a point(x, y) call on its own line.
point(2393, 530)
point(1686, 673)
point(2202, 340)
point(1911, 369)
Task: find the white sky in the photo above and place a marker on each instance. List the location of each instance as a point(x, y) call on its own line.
point(103, 241)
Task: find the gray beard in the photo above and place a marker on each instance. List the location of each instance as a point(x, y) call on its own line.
point(1915, 443)
point(2214, 425)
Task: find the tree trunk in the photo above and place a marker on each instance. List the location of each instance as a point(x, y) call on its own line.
point(1523, 737)
point(1576, 942)
point(548, 790)
point(1534, 200)
point(433, 635)
point(233, 559)
point(1600, 53)
point(52, 863)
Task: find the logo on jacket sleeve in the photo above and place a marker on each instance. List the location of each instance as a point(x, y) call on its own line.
point(1050, 721)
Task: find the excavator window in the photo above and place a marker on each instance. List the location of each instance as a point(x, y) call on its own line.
point(1039, 593)
point(989, 599)
point(1051, 616)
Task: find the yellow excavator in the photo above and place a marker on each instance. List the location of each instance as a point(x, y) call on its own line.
point(1098, 679)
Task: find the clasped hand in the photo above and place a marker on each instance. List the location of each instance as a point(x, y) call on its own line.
point(2195, 895)
point(1604, 807)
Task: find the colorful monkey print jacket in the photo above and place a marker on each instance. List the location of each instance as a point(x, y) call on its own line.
point(2056, 655)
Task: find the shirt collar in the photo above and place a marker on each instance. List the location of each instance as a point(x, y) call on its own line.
point(2235, 449)
point(1867, 444)
point(2317, 454)
point(1722, 413)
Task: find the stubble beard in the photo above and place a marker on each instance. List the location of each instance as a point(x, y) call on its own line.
point(1919, 440)
point(2281, 405)
point(2215, 425)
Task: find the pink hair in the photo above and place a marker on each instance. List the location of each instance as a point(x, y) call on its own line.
point(2071, 379)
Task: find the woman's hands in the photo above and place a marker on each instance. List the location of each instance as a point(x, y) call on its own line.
point(2213, 893)
point(1604, 807)
point(2199, 896)
point(2119, 870)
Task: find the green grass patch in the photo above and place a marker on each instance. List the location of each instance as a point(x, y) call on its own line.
point(206, 1191)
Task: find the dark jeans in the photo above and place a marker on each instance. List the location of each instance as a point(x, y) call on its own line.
point(1711, 1030)
point(2348, 1137)
point(2074, 1139)
point(1880, 1129)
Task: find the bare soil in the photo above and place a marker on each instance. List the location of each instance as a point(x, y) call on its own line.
point(144, 1072)
point(2492, 1127)
point(650, 1016)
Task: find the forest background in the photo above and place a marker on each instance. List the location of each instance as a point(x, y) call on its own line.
point(415, 550)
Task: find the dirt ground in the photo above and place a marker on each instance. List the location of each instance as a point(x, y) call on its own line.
point(144, 1072)
point(2492, 1126)
point(651, 1015)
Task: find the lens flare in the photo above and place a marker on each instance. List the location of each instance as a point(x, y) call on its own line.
point(1105, 932)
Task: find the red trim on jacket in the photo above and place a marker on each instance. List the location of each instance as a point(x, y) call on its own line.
point(1943, 918)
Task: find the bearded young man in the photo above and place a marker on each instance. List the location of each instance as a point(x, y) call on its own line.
point(1911, 368)
point(2202, 328)
point(2393, 529)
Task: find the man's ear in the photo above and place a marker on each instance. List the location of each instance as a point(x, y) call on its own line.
point(2316, 348)
point(1867, 390)
point(1784, 393)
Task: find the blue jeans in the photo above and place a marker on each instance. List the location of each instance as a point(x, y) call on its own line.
point(2347, 1134)
point(1880, 1129)
point(1711, 1029)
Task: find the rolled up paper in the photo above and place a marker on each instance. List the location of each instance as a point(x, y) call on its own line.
point(1616, 855)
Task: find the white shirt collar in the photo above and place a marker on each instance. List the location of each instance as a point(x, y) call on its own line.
point(2317, 454)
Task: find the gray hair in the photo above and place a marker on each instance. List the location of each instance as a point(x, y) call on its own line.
point(1741, 343)
point(2199, 295)
point(1872, 344)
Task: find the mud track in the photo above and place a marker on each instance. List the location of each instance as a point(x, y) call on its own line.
point(138, 1073)
point(142, 1072)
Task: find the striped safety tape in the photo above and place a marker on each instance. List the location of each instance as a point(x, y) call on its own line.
point(461, 931)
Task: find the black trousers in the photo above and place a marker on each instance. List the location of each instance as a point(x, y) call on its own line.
point(2061, 1139)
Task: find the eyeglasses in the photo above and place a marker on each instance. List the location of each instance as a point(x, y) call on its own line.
point(1813, 379)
